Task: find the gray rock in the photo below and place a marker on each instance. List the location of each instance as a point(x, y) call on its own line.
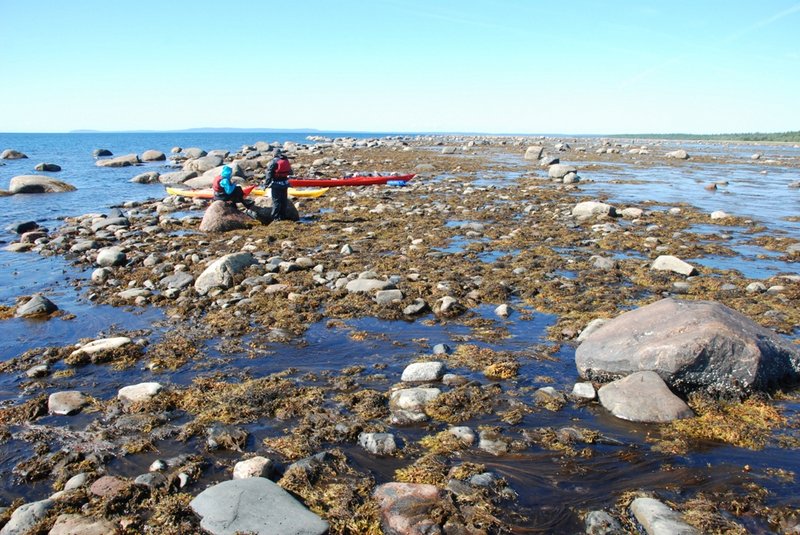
point(378, 443)
point(221, 216)
point(368, 285)
point(27, 226)
point(66, 403)
point(111, 256)
point(139, 392)
point(486, 479)
point(106, 222)
point(38, 184)
point(25, 517)
point(658, 519)
point(47, 167)
point(584, 391)
point(408, 405)
point(601, 262)
point(692, 345)
point(202, 164)
point(11, 154)
point(387, 297)
point(153, 480)
point(153, 156)
point(534, 152)
point(222, 272)
point(194, 152)
point(225, 437)
point(178, 280)
point(588, 209)
point(756, 287)
point(503, 310)
point(423, 372)
point(100, 153)
point(447, 305)
point(673, 264)
point(464, 434)
point(632, 213)
point(407, 508)
point(678, 155)
point(150, 177)
point(101, 275)
point(178, 177)
point(441, 349)
point(643, 397)
point(40, 370)
point(77, 481)
point(254, 505)
point(38, 305)
point(493, 443)
point(101, 345)
point(254, 467)
point(416, 307)
point(119, 161)
point(602, 523)
point(560, 170)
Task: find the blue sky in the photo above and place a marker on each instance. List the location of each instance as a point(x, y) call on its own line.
point(502, 66)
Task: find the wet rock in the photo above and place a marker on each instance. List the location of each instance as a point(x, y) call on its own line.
point(66, 403)
point(534, 152)
point(72, 524)
point(221, 216)
point(101, 275)
point(602, 523)
point(111, 256)
point(378, 443)
point(38, 305)
point(560, 170)
point(448, 306)
point(422, 372)
point(416, 307)
point(35, 372)
point(226, 437)
point(387, 297)
point(549, 397)
point(19, 247)
point(25, 517)
point(673, 264)
point(600, 262)
point(691, 344)
point(643, 397)
point(587, 209)
point(658, 519)
point(105, 222)
point(406, 508)
point(178, 280)
point(153, 156)
point(719, 214)
point(678, 155)
point(464, 434)
point(584, 391)
point(442, 349)
point(451, 379)
point(76, 481)
point(150, 177)
point(254, 505)
point(38, 184)
point(408, 404)
point(119, 161)
point(109, 487)
point(153, 480)
point(492, 442)
point(101, 153)
point(486, 479)
point(221, 273)
point(47, 167)
point(11, 154)
point(254, 467)
point(368, 285)
point(503, 311)
point(22, 228)
point(101, 345)
point(139, 393)
point(755, 287)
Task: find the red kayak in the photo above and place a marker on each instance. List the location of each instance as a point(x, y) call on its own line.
point(351, 181)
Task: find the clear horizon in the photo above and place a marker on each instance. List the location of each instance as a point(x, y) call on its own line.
point(503, 67)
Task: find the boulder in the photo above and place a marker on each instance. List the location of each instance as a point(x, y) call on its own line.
point(221, 273)
point(408, 404)
point(254, 505)
point(678, 155)
point(423, 372)
point(691, 345)
point(643, 397)
point(11, 154)
point(408, 508)
point(253, 467)
point(38, 184)
point(47, 167)
point(178, 177)
point(202, 164)
point(593, 208)
point(150, 177)
point(38, 305)
point(109, 487)
point(178, 280)
point(221, 216)
point(111, 256)
point(119, 161)
point(560, 170)
point(138, 393)
point(534, 152)
point(378, 443)
point(387, 297)
point(673, 264)
point(153, 156)
point(66, 403)
point(368, 285)
point(194, 152)
point(602, 523)
point(658, 519)
point(100, 153)
point(25, 517)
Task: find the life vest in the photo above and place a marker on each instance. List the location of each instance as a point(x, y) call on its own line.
point(217, 187)
point(283, 168)
point(222, 186)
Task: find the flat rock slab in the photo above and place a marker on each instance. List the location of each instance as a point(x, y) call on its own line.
point(406, 508)
point(66, 403)
point(658, 519)
point(80, 525)
point(140, 392)
point(254, 505)
point(692, 345)
point(643, 397)
point(103, 344)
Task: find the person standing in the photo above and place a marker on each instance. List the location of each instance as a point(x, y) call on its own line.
point(277, 180)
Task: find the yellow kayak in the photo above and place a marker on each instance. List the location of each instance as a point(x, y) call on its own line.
point(207, 193)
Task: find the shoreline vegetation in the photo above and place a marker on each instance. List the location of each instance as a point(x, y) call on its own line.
point(770, 137)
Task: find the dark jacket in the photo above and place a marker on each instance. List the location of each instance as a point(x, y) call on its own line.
point(278, 171)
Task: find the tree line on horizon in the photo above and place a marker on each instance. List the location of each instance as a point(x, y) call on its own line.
point(793, 136)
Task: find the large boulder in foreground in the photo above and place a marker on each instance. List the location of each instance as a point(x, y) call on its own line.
point(221, 216)
point(643, 397)
point(254, 505)
point(221, 273)
point(692, 345)
point(38, 184)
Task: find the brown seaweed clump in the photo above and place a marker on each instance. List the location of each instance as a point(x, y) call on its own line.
point(746, 424)
point(463, 403)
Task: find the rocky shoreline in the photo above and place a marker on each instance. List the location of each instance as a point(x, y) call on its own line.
point(458, 240)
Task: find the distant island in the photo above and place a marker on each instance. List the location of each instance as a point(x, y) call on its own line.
point(202, 130)
point(752, 136)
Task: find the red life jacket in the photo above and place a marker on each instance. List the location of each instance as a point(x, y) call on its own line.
point(216, 186)
point(283, 168)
